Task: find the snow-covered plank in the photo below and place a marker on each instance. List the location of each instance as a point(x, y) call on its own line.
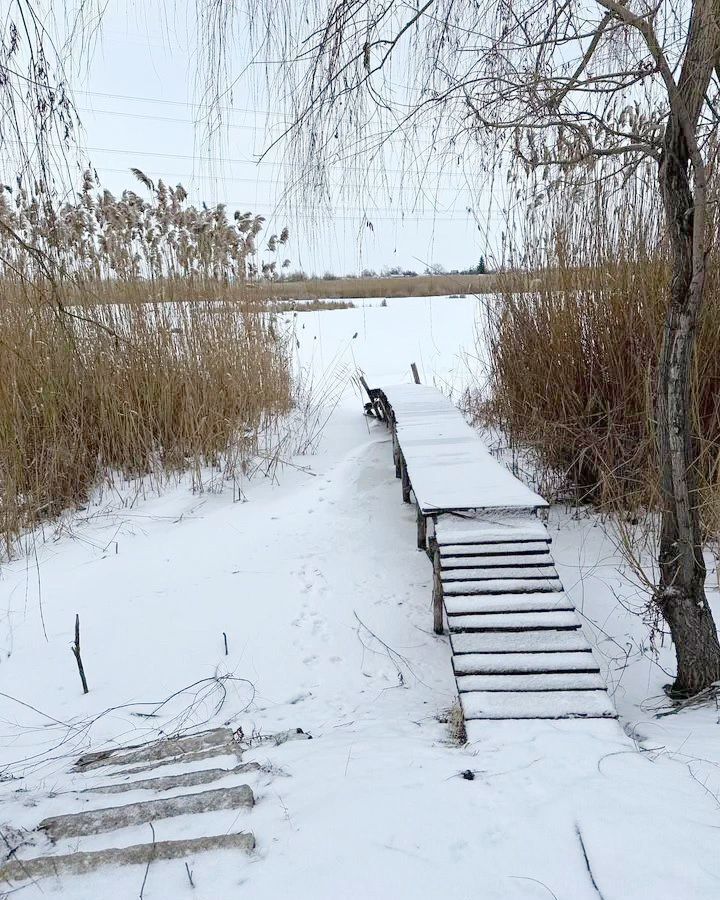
point(485, 574)
point(536, 704)
point(518, 642)
point(500, 561)
point(500, 603)
point(170, 782)
point(508, 663)
point(82, 862)
point(96, 821)
point(497, 528)
point(546, 681)
point(454, 550)
point(450, 468)
point(513, 621)
point(503, 586)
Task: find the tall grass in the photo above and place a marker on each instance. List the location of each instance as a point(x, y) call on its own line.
point(101, 391)
point(574, 344)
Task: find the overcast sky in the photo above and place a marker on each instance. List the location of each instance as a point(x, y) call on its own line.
point(140, 105)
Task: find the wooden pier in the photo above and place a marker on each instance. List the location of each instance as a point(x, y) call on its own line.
point(517, 644)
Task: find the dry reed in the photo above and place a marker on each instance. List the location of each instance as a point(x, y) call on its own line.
point(573, 351)
point(106, 392)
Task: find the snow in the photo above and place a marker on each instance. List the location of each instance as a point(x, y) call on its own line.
point(300, 578)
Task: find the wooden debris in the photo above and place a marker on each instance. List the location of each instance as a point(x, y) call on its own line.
point(98, 820)
point(194, 746)
point(19, 870)
point(168, 782)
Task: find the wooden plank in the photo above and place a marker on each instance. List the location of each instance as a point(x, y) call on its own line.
point(490, 549)
point(487, 574)
point(96, 821)
point(503, 586)
point(537, 705)
point(525, 663)
point(547, 681)
point(500, 603)
point(518, 642)
point(512, 621)
point(170, 782)
point(521, 560)
point(82, 862)
point(497, 528)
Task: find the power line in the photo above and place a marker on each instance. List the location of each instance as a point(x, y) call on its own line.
point(128, 115)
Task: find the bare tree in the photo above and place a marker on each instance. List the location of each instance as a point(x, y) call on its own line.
point(557, 85)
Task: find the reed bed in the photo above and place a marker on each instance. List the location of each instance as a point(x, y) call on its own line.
point(573, 349)
point(99, 393)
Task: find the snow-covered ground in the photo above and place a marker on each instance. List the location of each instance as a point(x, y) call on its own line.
point(325, 602)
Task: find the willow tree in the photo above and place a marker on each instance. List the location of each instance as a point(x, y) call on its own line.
point(557, 84)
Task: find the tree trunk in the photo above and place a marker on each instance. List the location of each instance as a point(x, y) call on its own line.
point(680, 595)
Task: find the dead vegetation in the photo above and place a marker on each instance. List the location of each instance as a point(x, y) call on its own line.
point(574, 353)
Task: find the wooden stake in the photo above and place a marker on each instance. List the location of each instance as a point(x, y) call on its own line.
point(416, 376)
point(405, 480)
point(78, 658)
point(437, 594)
point(421, 530)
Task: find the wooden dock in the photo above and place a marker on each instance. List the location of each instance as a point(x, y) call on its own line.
point(517, 643)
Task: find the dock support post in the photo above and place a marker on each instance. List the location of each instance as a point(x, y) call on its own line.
point(405, 480)
point(421, 530)
point(437, 593)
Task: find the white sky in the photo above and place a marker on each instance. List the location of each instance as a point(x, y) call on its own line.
point(139, 104)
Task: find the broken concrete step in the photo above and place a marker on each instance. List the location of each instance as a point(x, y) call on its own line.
point(481, 549)
point(513, 621)
point(537, 705)
point(524, 663)
point(518, 642)
point(511, 603)
point(99, 820)
point(503, 561)
point(451, 576)
point(168, 782)
point(191, 747)
point(18, 870)
point(502, 586)
point(547, 681)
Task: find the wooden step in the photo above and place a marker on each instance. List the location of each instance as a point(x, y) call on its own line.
point(480, 549)
point(537, 705)
point(487, 574)
point(524, 663)
point(518, 642)
point(512, 621)
point(500, 603)
point(502, 527)
point(96, 821)
point(546, 681)
point(521, 560)
point(503, 586)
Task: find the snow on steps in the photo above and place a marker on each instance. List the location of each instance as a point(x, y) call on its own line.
point(522, 560)
point(518, 648)
point(511, 621)
point(537, 704)
point(503, 586)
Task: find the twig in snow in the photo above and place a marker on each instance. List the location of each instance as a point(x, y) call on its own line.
point(226, 646)
point(76, 652)
point(587, 862)
point(541, 883)
point(396, 658)
point(151, 857)
point(189, 875)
